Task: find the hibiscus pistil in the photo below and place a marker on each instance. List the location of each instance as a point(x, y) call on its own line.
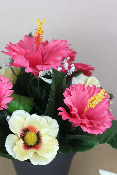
point(39, 33)
point(92, 102)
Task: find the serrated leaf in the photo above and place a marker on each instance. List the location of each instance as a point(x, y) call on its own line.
point(56, 93)
point(108, 134)
point(111, 96)
point(68, 83)
point(7, 156)
point(20, 103)
point(103, 138)
point(64, 148)
point(30, 34)
point(4, 112)
point(113, 141)
point(4, 132)
point(81, 143)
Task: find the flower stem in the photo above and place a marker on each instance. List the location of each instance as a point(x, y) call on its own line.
point(13, 71)
point(29, 85)
point(38, 88)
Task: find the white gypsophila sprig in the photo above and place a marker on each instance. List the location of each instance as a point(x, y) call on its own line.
point(43, 73)
point(4, 63)
point(49, 71)
point(65, 65)
point(69, 72)
point(47, 80)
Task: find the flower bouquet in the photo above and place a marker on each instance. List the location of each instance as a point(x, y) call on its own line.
point(50, 105)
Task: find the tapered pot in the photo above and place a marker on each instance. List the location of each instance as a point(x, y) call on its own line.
point(59, 166)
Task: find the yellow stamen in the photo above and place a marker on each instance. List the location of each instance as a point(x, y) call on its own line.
point(39, 32)
point(30, 138)
point(92, 102)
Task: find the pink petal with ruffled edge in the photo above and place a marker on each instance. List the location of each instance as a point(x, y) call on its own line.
point(5, 92)
point(84, 68)
point(95, 120)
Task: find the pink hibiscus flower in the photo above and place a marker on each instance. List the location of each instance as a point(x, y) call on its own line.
point(48, 55)
point(5, 92)
point(88, 108)
point(35, 55)
point(86, 69)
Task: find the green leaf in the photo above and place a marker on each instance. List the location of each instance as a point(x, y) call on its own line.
point(4, 131)
point(30, 34)
point(3, 113)
point(56, 93)
point(64, 148)
point(20, 103)
point(81, 143)
point(46, 96)
point(107, 135)
point(113, 141)
point(111, 96)
point(74, 74)
point(69, 83)
point(7, 156)
point(103, 138)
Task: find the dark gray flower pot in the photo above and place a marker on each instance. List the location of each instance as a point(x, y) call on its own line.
point(59, 166)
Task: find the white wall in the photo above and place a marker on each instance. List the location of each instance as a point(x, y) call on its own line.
point(90, 26)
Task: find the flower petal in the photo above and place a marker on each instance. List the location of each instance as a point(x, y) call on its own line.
point(38, 122)
point(21, 153)
point(92, 81)
point(22, 113)
point(53, 126)
point(49, 146)
point(16, 124)
point(10, 143)
point(36, 159)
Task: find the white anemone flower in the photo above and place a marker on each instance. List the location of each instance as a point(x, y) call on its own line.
point(34, 138)
point(83, 79)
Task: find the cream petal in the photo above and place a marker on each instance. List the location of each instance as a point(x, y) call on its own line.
point(21, 153)
point(2, 71)
point(38, 122)
point(22, 113)
point(10, 143)
point(76, 80)
point(36, 159)
point(92, 81)
point(16, 124)
point(53, 126)
point(49, 146)
point(82, 79)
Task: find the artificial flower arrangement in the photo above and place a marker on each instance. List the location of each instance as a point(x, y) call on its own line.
point(49, 104)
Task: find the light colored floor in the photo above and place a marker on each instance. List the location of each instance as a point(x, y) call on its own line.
point(88, 163)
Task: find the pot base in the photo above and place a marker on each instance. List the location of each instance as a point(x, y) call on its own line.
point(59, 166)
